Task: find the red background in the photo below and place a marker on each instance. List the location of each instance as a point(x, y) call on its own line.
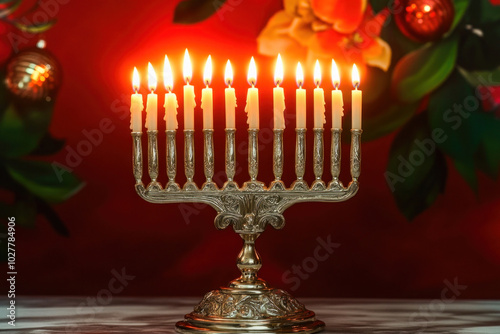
point(380, 255)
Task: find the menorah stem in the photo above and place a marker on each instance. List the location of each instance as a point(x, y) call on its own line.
point(208, 156)
point(356, 153)
point(153, 158)
point(137, 156)
point(300, 154)
point(319, 154)
point(336, 155)
point(171, 156)
point(230, 154)
point(278, 154)
point(249, 264)
point(189, 156)
point(253, 154)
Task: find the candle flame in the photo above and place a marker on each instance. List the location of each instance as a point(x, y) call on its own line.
point(335, 75)
point(299, 75)
point(188, 68)
point(252, 73)
point(136, 81)
point(207, 74)
point(168, 78)
point(317, 74)
point(278, 71)
point(152, 81)
point(355, 76)
point(228, 76)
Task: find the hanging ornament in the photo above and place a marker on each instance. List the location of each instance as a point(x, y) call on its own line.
point(33, 74)
point(424, 20)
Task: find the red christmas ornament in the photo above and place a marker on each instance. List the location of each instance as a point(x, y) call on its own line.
point(424, 20)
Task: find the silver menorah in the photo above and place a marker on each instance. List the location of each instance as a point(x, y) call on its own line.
point(247, 304)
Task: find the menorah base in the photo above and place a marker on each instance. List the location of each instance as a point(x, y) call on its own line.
point(230, 310)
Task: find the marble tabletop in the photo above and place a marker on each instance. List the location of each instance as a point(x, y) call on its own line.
point(158, 315)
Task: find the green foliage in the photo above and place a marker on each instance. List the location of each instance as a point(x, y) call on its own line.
point(421, 71)
point(194, 11)
point(40, 179)
point(24, 134)
point(417, 170)
point(22, 127)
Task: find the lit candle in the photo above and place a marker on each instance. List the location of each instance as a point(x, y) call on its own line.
point(300, 99)
point(207, 103)
point(252, 107)
point(152, 101)
point(356, 99)
point(319, 99)
point(189, 102)
point(136, 104)
point(171, 104)
point(279, 96)
point(337, 99)
point(230, 96)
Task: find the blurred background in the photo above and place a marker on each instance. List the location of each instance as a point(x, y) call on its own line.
point(79, 218)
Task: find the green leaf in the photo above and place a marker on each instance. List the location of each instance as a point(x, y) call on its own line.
point(35, 28)
point(48, 145)
point(194, 11)
point(44, 180)
point(455, 109)
point(479, 47)
point(393, 117)
point(423, 70)
point(24, 209)
point(417, 172)
point(483, 11)
point(488, 157)
point(22, 127)
point(11, 8)
point(52, 217)
point(481, 78)
point(461, 7)
point(378, 5)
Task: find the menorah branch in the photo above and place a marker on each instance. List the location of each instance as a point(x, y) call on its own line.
point(137, 156)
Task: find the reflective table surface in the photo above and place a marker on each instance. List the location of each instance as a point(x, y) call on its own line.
point(158, 315)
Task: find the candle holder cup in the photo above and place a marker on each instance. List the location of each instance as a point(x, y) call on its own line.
point(247, 304)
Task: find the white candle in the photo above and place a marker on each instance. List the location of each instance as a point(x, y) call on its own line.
point(136, 104)
point(230, 97)
point(337, 99)
point(189, 102)
point(278, 96)
point(152, 101)
point(171, 104)
point(357, 98)
point(300, 99)
point(319, 99)
point(207, 103)
point(252, 107)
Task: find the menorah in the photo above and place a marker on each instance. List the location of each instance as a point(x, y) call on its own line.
point(247, 304)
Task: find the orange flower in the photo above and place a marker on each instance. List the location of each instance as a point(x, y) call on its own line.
point(347, 31)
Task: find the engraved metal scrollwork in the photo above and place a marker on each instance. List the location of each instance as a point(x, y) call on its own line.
point(318, 157)
point(189, 154)
point(253, 153)
point(137, 156)
point(300, 154)
point(276, 303)
point(356, 154)
point(171, 155)
point(230, 154)
point(250, 213)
